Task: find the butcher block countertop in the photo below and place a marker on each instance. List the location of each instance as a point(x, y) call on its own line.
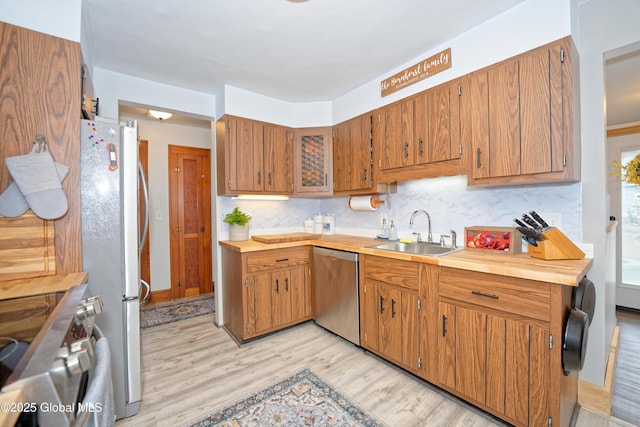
point(41, 285)
point(563, 272)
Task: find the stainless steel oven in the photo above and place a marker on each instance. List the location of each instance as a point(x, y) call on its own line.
point(51, 350)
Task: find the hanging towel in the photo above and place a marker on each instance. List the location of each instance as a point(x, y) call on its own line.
point(99, 394)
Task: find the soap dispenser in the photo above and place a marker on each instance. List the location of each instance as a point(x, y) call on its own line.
point(393, 233)
point(384, 232)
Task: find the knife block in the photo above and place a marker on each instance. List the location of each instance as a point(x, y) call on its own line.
point(555, 246)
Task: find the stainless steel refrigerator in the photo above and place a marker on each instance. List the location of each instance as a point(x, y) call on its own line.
point(111, 182)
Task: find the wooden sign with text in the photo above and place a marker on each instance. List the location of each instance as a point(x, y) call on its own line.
point(423, 69)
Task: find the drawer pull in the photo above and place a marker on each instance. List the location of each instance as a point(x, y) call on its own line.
point(282, 260)
point(482, 294)
point(444, 325)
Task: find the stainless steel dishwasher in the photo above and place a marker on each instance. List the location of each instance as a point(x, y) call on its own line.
point(336, 292)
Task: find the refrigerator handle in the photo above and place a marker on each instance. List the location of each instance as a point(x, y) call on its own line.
point(147, 294)
point(145, 193)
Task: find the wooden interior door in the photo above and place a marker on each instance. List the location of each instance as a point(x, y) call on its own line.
point(190, 221)
point(145, 260)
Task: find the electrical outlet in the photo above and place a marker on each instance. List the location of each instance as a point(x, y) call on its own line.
point(383, 219)
point(554, 219)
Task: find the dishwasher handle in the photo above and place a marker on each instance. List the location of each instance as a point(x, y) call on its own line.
point(343, 255)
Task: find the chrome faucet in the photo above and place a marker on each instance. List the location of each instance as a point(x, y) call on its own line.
point(429, 236)
point(453, 237)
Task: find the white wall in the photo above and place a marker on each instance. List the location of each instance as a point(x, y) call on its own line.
point(60, 18)
point(602, 25)
point(521, 28)
point(240, 102)
point(160, 135)
point(115, 88)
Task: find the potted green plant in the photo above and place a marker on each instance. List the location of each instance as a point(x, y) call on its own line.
point(238, 225)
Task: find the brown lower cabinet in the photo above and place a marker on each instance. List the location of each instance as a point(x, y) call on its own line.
point(265, 291)
point(495, 341)
point(389, 310)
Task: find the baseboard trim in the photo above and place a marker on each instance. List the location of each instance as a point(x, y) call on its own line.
point(593, 397)
point(162, 295)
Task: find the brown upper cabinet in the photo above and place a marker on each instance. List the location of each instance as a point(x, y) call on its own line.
point(253, 157)
point(426, 135)
point(313, 160)
point(523, 122)
point(353, 156)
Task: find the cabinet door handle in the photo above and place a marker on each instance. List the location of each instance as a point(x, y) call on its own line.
point(364, 175)
point(381, 304)
point(444, 325)
point(478, 162)
point(406, 149)
point(286, 284)
point(420, 146)
point(270, 178)
point(393, 308)
point(482, 294)
point(277, 286)
point(259, 175)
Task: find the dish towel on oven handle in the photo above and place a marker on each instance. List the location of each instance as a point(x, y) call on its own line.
point(99, 397)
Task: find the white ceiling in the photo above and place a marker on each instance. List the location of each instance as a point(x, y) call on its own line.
point(296, 51)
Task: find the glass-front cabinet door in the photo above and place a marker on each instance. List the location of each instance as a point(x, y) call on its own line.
point(313, 159)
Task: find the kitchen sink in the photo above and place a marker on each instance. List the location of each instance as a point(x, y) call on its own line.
point(427, 249)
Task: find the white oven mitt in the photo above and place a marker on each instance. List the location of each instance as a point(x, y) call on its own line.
point(37, 178)
point(12, 201)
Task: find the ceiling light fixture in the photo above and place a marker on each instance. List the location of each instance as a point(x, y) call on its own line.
point(160, 115)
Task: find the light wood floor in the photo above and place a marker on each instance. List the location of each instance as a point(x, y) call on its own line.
point(625, 401)
point(191, 368)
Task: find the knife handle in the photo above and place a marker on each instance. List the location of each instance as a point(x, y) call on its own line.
point(537, 217)
point(520, 223)
point(526, 218)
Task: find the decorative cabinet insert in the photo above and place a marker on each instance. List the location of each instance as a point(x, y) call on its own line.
point(265, 291)
point(253, 157)
point(389, 310)
point(313, 161)
point(523, 122)
point(499, 346)
point(353, 156)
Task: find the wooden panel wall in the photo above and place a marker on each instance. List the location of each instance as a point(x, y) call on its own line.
point(40, 86)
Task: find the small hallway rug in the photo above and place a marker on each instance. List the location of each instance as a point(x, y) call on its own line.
point(173, 311)
point(302, 399)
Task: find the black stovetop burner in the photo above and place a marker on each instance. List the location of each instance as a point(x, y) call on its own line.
point(20, 321)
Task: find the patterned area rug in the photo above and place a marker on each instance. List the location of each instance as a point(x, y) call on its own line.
point(162, 314)
point(303, 399)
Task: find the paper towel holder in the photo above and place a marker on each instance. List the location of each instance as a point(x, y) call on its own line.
point(373, 201)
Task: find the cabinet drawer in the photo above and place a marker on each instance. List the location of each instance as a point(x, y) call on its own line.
point(277, 258)
point(518, 296)
point(393, 271)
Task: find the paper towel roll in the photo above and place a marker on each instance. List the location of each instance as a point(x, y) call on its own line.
point(365, 203)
